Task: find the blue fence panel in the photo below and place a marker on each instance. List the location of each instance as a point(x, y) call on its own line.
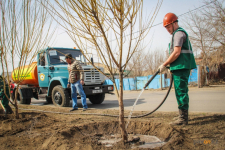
point(117, 83)
point(193, 76)
point(108, 82)
point(155, 84)
point(132, 82)
point(126, 84)
point(141, 81)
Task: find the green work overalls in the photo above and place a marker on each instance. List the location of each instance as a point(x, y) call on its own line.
point(180, 69)
point(5, 101)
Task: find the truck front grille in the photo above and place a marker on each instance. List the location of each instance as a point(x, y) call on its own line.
point(92, 76)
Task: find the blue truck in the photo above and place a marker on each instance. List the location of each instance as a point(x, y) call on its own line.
point(49, 76)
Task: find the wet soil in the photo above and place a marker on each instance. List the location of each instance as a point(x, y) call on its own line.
point(48, 131)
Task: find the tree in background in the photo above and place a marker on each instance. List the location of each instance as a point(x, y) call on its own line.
point(207, 33)
point(214, 15)
point(153, 60)
point(146, 63)
point(136, 65)
point(24, 31)
point(92, 24)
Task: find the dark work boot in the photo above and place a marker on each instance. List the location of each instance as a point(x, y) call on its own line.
point(182, 119)
point(73, 109)
point(175, 118)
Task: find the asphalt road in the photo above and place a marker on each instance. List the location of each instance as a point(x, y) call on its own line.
point(210, 99)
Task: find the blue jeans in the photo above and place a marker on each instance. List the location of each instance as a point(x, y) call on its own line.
point(77, 87)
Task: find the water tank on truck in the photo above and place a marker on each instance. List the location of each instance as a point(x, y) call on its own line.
point(26, 75)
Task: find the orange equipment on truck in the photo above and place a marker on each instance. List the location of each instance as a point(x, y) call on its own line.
point(27, 75)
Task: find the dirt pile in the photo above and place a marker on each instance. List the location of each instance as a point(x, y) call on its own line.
point(35, 130)
point(87, 136)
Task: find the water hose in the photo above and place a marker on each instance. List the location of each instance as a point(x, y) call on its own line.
point(164, 99)
point(138, 116)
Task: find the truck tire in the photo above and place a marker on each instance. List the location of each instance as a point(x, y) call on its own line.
point(22, 100)
point(97, 99)
point(60, 96)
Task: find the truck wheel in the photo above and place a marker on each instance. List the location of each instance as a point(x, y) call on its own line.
point(60, 96)
point(97, 99)
point(22, 100)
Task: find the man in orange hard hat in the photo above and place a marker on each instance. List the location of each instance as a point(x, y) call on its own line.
point(181, 61)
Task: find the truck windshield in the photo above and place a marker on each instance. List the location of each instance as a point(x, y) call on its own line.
point(57, 56)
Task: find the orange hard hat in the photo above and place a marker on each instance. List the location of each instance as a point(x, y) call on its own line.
point(169, 18)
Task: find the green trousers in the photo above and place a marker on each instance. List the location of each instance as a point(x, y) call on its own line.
point(181, 87)
point(5, 101)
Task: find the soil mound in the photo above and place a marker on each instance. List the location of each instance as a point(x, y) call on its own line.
point(88, 136)
point(46, 131)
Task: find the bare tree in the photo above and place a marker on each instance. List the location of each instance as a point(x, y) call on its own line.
point(214, 15)
point(93, 24)
point(23, 34)
point(136, 65)
point(200, 40)
point(153, 60)
point(207, 33)
point(143, 63)
point(199, 36)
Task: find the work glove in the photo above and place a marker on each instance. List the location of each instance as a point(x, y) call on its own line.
point(161, 68)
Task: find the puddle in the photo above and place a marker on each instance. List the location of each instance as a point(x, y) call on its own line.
point(150, 141)
point(109, 140)
point(137, 141)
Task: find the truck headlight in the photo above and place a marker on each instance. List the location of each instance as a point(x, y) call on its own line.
point(110, 88)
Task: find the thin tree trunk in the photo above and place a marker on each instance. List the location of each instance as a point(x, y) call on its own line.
point(16, 105)
point(121, 113)
point(200, 77)
point(17, 113)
